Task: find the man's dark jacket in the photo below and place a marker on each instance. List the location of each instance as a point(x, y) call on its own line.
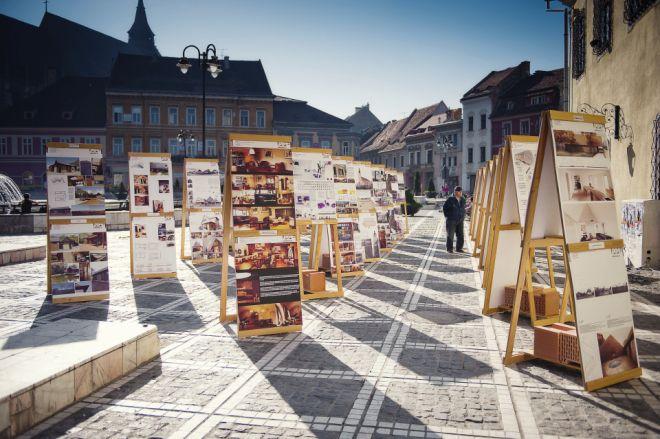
point(454, 209)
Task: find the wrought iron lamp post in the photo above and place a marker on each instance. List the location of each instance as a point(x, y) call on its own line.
point(208, 60)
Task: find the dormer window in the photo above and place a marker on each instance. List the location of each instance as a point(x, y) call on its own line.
point(537, 100)
point(67, 115)
point(509, 105)
point(28, 115)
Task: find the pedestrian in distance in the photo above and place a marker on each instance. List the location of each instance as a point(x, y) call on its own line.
point(26, 204)
point(454, 211)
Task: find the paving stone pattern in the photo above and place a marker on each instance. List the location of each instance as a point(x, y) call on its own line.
point(405, 353)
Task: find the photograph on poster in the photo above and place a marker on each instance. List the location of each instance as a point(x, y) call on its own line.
point(524, 160)
point(342, 172)
point(75, 182)
point(580, 144)
point(265, 255)
point(151, 184)
point(369, 234)
point(206, 234)
point(577, 184)
point(315, 201)
point(163, 186)
point(264, 218)
point(272, 315)
point(590, 221)
point(159, 168)
point(632, 212)
point(262, 190)
point(618, 350)
point(261, 161)
point(363, 180)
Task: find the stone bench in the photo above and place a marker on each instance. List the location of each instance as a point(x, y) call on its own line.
point(19, 255)
point(49, 367)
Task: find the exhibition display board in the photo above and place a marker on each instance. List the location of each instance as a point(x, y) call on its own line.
point(396, 220)
point(77, 247)
point(351, 253)
point(488, 209)
point(315, 206)
point(152, 234)
point(483, 199)
point(259, 199)
point(381, 198)
point(517, 166)
point(475, 214)
point(202, 211)
point(401, 199)
point(572, 200)
point(367, 220)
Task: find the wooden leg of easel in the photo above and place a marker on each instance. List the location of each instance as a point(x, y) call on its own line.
point(567, 295)
point(317, 245)
point(335, 237)
point(551, 270)
point(509, 358)
point(300, 276)
point(530, 296)
point(184, 215)
point(130, 243)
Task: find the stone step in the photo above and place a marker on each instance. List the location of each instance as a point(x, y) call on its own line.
point(47, 368)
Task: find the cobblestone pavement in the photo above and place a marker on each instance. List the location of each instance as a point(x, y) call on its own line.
point(405, 353)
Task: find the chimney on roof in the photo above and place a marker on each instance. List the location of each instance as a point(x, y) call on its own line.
point(140, 35)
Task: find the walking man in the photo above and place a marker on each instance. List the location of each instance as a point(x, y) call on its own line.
point(454, 210)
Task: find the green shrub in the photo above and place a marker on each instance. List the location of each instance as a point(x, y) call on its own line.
point(411, 205)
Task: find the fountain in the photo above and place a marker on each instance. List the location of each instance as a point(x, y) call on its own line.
point(10, 194)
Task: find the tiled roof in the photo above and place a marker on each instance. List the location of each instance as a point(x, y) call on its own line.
point(138, 73)
point(82, 99)
point(493, 80)
point(300, 113)
point(539, 83)
point(364, 120)
point(393, 134)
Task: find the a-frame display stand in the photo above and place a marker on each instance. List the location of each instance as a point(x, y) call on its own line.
point(488, 210)
point(545, 225)
point(316, 232)
point(483, 199)
point(476, 207)
point(504, 241)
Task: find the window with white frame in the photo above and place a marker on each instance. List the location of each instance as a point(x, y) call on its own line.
point(538, 100)
point(117, 114)
point(346, 148)
point(411, 158)
point(227, 117)
point(154, 144)
point(191, 116)
point(136, 144)
point(394, 161)
point(470, 155)
point(418, 158)
point(483, 121)
point(27, 146)
point(509, 105)
point(4, 146)
point(173, 115)
point(117, 146)
point(245, 118)
point(506, 129)
point(210, 117)
point(211, 148)
point(429, 156)
point(154, 115)
point(305, 142)
point(136, 114)
point(482, 154)
point(524, 126)
point(326, 144)
point(261, 119)
point(403, 160)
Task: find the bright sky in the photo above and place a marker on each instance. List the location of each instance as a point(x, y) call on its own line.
point(338, 54)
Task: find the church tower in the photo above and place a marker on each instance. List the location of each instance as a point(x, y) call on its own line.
point(140, 35)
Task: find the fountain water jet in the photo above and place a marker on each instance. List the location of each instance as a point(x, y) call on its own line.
point(10, 194)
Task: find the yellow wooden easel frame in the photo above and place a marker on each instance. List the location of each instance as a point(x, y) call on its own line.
point(528, 244)
point(486, 182)
point(488, 211)
point(50, 221)
point(475, 204)
point(229, 235)
point(185, 211)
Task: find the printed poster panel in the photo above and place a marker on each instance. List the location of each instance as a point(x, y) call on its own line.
point(314, 189)
point(75, 182)
point(523, 155)
point(262, 186)
point(364, 186)
point(78, 257)
point(396, 222)
point(154, 245)
point(386, 237)
point(391, 185)
point(351, 251)
point(368, 235)
point(203, 184)
point(150, 178)
point(401, 194)
point(345, 188)
point(206, 233)
point(604, 317)
point(379, 192)
point(267, 282)
point(598, 275)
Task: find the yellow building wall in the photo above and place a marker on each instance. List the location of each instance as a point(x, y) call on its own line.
point(628, 76)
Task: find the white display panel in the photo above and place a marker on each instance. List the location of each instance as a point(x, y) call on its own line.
point(153, 245)
point(314, 190)
point(150, 181)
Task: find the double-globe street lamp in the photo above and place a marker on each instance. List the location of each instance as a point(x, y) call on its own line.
point(208, 61)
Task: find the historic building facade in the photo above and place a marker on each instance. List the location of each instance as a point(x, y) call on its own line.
point(615, 66)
